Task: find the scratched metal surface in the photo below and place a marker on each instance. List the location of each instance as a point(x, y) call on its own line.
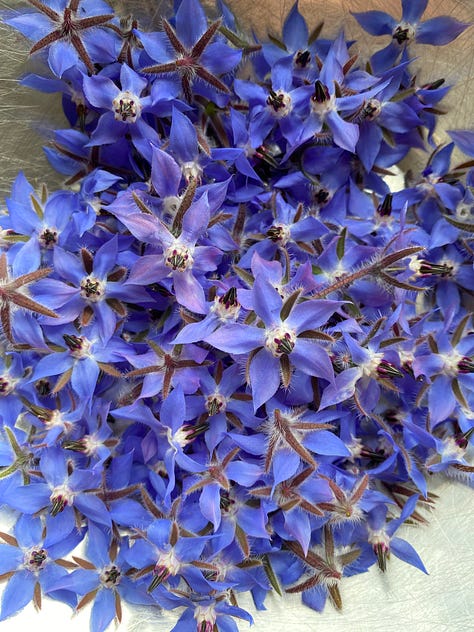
point(403, 598)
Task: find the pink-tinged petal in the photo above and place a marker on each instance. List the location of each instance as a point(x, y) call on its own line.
point(148, 269)
point(264, 377)
point(439, 31)
point(236, 338)
point(189, 292)
point(312, 359)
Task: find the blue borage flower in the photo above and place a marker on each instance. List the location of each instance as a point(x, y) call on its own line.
point(231, 354)
point(437, 31)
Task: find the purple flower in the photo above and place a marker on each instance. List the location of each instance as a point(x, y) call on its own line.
point(31, 565)
point(436, 31)
point(125, 107)
point(180, 259)
point(285, 340)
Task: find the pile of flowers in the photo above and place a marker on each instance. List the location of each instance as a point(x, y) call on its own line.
point(231, 355)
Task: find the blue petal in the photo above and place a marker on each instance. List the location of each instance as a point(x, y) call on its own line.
point(311, 314)
point(295, 30)
point(441, 400)
point(100, 91)
point(285, 463)
point(93, 508)
point(439, 31)
point(61, 57)
point(11, 558)
point(264, 377)
point(464, 139)
point(315, 598)
point(183, 137)
point(376, 22)
point(297, 525)
point(132, 81)
point(412, 10)
point(97, 546)
point(404, 551)
point(28, 530)
point(267, 302)
point(159, 532)
point(236, 338)
point(345, 134)
point(398, 117)
point(196, 219)
point(103, 610)
point(383, 59)
point(173, 409)
point(342, 389)
point(189, 291)
point(29, 498)
point(195, 332)
point(84, 377)
point(53, 465)
point(165, 173)
point(312, 360)
point(325, 442)
point(105, 258)
point(209, 503)
point(245, 474)
point(18, 592)
point(191, 22)
point(80, 581)
point(60, 526)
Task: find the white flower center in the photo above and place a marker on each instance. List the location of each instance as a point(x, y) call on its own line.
point(280, 341)
point(92, 289)
point(127, 107)
point(279, 103)
point(178, 257)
